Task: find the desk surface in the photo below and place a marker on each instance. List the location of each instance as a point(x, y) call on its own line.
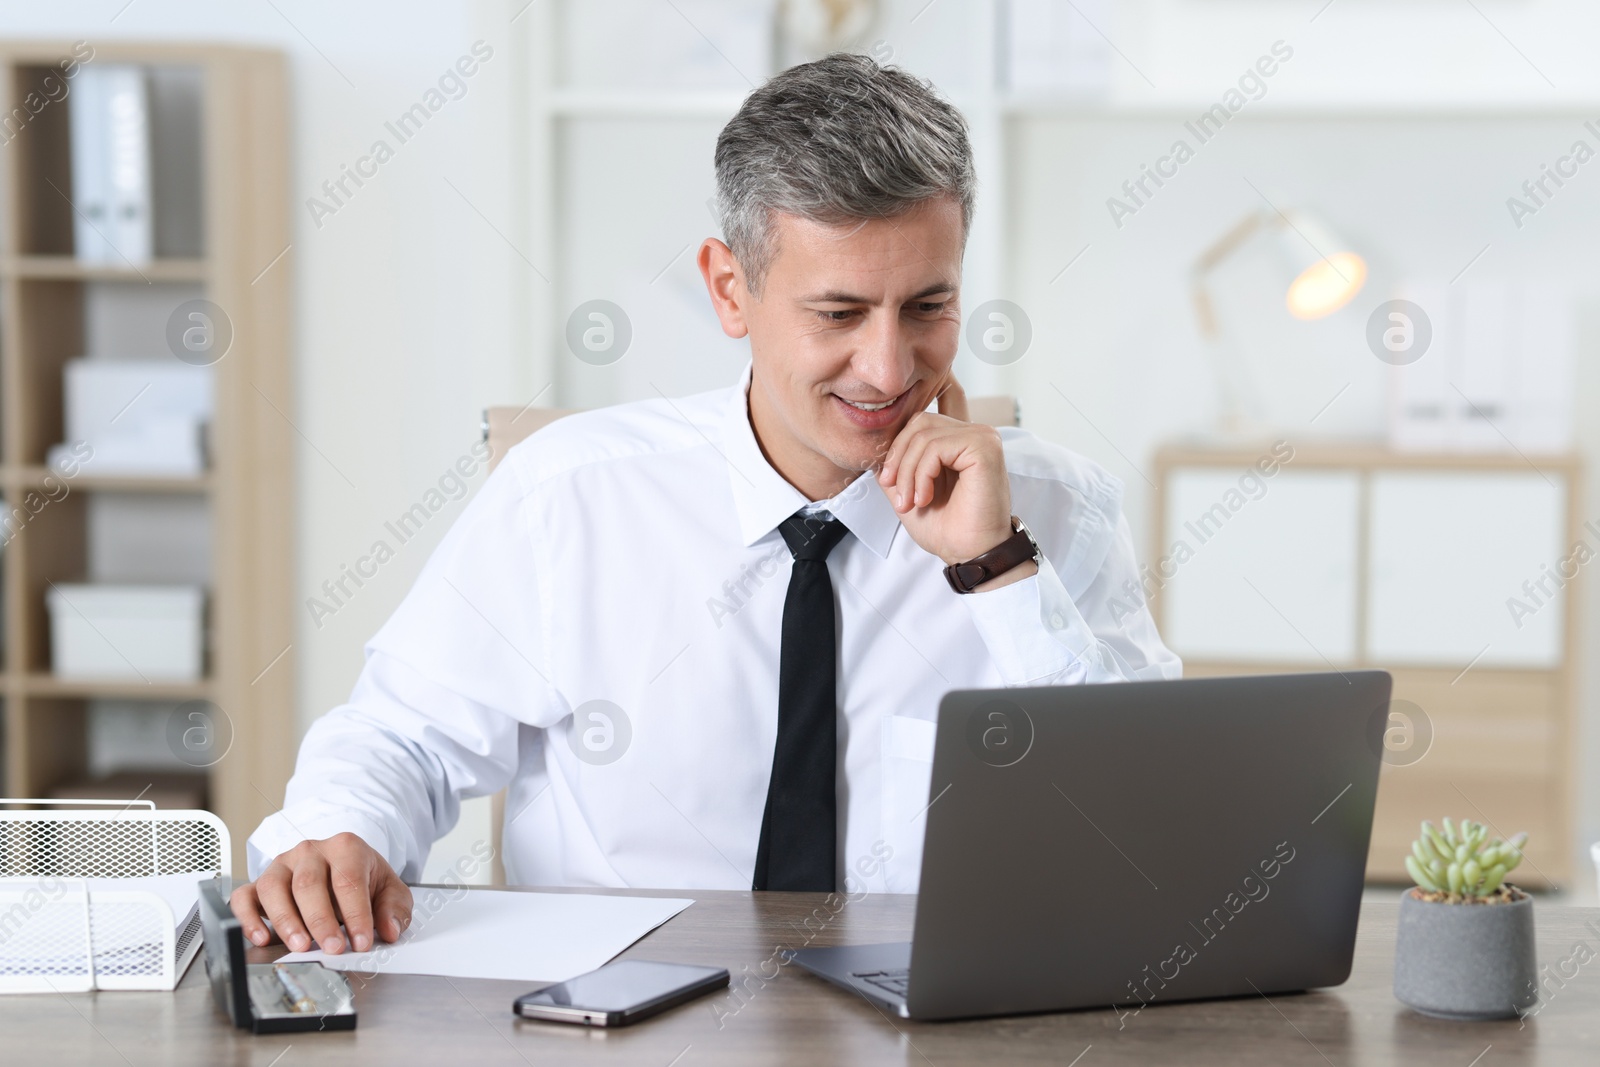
point(799, 1019)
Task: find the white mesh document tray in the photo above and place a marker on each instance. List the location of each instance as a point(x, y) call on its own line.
point(81, 893)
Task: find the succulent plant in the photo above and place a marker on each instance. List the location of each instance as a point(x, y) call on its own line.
point(1460, 863)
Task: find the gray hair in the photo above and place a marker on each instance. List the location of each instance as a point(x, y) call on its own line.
point(835, 141)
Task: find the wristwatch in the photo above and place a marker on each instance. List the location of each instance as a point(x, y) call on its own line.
point(1014, 551)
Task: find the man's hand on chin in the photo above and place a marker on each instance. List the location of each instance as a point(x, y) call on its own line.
point(946, 478)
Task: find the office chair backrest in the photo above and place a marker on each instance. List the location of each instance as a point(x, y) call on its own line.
point(505, 426)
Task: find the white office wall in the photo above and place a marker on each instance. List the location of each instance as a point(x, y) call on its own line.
point(645, 262)
point(1406, 125)
point(1420, 195)
point(410, 302)
point(1118, 365)
point(1367, 51)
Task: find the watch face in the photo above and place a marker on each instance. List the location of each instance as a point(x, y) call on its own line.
point(1022, 528)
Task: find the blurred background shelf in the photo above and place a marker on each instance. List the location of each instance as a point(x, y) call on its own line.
point(1351, 557)
point(166, 789)
point(622, 103)
point(218, 196)
point(41, 477)
point(71, 269)
point(49, 685)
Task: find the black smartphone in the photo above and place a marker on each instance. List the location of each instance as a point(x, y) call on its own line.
point(620, 993)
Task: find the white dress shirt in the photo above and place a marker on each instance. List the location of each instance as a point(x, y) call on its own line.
point(599, 631)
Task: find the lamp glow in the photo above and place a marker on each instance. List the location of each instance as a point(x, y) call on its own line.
point(1323, 282)
point(1326, 286)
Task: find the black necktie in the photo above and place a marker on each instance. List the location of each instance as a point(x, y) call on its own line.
point(799, 828)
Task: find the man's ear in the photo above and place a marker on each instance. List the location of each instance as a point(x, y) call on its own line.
point(725, 284)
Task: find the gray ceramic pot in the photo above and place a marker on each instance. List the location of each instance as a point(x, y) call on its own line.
point(1466, 961)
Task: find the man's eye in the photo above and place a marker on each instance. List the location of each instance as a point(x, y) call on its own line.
point(926, 308)
point(836, 316)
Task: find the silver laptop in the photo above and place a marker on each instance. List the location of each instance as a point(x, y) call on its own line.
point(1134, 844)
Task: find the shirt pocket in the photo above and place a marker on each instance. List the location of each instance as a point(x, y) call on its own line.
point(907, 769)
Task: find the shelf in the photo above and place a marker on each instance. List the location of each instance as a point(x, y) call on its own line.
point(722, 103)
point(40, 684)
point(644, 103)
point(1045, 104)
point(66, 268)
point(1210, 452)
point(1426, 673)
point(165, 788)
point(48, 53)
point(222, 163)
point(34, 478)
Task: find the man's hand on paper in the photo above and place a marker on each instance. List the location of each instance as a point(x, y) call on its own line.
point(310, 889)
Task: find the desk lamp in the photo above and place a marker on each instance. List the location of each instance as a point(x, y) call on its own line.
point(1325, 275)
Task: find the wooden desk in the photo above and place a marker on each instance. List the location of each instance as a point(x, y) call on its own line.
point(799, 1019)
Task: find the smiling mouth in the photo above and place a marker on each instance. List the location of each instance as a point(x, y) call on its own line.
point(859, 406)
point(863, 405)
point(875, 416)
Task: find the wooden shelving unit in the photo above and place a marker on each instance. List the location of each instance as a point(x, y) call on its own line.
point(1502, 733)
point(44, 293)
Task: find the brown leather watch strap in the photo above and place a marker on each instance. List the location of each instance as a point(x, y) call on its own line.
point(1014, 551)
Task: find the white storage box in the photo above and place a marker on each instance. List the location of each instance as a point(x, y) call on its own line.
point(139, 416)
point(144, 632)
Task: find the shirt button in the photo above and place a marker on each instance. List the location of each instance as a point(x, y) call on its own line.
point(1058, 621)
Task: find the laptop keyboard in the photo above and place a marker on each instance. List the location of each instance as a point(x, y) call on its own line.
point(889, 981)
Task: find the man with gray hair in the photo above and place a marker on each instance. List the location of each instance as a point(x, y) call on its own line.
point(702, 641)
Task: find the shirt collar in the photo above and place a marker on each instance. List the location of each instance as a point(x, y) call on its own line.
point(764, 499)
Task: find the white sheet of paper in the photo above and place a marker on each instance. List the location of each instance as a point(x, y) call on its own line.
point(525, 937)
point(180, 891)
